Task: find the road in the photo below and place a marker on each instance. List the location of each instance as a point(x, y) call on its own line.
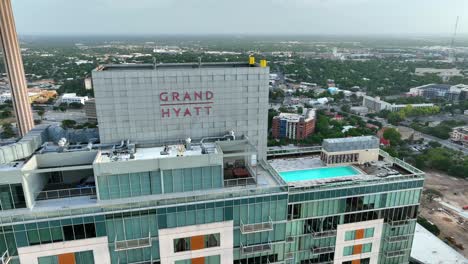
point(443, 142)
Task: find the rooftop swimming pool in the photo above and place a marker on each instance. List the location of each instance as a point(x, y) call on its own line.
point(319, 173)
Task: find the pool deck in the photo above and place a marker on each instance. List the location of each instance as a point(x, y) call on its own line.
point(292, 164)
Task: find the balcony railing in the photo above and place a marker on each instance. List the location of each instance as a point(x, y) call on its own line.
point(289, 256)
point(400, 238)
point(258, 227)
point(255, 248)
point(240, 182)
point(395, 253)
point(133, 243)
point(65, 193)
point(400, 222)
point(274, 262)
point(5, 258)
point(138, 262)
point(322, 250)
point(323, 234)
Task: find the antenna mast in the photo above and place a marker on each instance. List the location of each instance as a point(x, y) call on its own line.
point(452, 43)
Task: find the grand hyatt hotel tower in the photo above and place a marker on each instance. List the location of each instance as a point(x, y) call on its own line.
point(14, 68)
point(179, 175)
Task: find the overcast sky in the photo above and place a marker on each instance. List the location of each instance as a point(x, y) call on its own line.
point(350, 17)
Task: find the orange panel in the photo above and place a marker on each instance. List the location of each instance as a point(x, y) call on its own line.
point(197, 242)
point(357, 249)
point(68, 258)
point(359, 234)
point(198, 260)
point(356, 261)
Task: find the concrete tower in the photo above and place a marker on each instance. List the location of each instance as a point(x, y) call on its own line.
point(14, 67)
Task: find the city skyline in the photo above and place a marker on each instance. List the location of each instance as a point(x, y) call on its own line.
point(335, 17)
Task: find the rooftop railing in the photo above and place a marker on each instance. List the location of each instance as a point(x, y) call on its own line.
point(132, 243)
point(65, 193)
point(272, 152)
point(138, 203)
point(257, 227)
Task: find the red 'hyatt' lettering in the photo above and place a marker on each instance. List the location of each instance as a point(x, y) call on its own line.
point(186, 111)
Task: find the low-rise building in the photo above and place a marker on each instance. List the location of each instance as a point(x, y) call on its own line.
point(360, 110)
point(460, 135)
point(445, 74)
point(375, 104)
point(408, 133)
point(294, 126)
point(69, 98)
point(350, 150)
point(455, 93)
point(90, 110)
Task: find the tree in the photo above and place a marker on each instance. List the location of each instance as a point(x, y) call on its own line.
point(7, 131)
point(395, 117)
point(393, 135)
point(346, 108)
point(5, 114)
point(300, 110)
point(67, 123)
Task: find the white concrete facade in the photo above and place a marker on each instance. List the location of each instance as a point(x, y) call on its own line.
point(375, 240)
point(98, 245)
point(225, 250)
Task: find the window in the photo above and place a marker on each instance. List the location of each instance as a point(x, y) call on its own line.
point(181, 244)
point(359, 234)
point(368, 232)
point(366, 248)
point(196, 242)
point(349, 235)
point(81, 231)
point(85, 257)
point(348, 251)
point(212, 240)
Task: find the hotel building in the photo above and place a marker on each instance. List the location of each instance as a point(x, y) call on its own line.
point(180, 175)
point(294, 126)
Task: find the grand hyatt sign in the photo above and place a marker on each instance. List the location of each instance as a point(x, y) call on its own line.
point(183, 104)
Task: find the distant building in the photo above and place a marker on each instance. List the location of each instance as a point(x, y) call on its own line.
point(35, 95)
point(408, 133)
point(69, 98)
point(375, 104)
point(294, 126)
point(90, 110)
point(460, 135)
point(441, 91)
point(360, 110)
point(350, 150)
point(88, 82)
point(445, 74)
point(333, 90)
